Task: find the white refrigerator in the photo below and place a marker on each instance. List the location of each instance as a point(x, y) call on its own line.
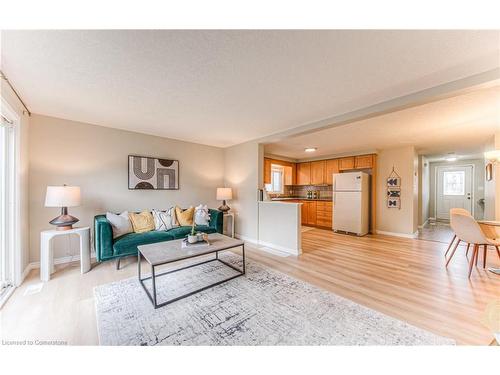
point(351, 202)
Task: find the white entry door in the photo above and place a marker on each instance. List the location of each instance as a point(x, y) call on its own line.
point(453, 190)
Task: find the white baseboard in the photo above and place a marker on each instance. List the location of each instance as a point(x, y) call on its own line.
point(396, 234)
point(424, 224)
point(247, 239)
point(267, 244)
point(60, 260)
point(280, 248)
point(25, 273)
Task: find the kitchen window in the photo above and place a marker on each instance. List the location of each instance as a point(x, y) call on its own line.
point(277, 180)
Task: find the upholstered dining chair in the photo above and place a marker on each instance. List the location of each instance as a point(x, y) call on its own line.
point(456, 211)
point(468, 230)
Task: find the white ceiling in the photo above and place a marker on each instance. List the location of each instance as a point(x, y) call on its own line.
point(462, 124)
point(226, 87)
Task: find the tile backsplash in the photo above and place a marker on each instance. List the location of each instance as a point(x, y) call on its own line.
point(325, 191)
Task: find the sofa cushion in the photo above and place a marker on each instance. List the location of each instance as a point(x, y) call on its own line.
point(128, 243)
point(184, 217)
point(120, 223)
point(142, 222)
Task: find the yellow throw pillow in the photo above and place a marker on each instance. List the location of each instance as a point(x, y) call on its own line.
point(142, 222)
point(185, 218)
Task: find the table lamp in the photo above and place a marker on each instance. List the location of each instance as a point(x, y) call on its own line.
point(224, 194)
point(64, 197)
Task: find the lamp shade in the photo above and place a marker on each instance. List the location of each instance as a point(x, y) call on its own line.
point(224, 194)
point(62, 196)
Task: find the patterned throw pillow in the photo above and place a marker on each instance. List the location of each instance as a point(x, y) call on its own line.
point(184, 217)
point(201, 215)
point(142, 222)
point(120, 224)
point(164, 220)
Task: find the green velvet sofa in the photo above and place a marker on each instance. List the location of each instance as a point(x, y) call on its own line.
point(107, 248)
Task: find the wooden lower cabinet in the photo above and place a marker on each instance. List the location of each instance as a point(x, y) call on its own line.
point(303, 213)
point(324, 212)
point(311, 213)
point(316, 213)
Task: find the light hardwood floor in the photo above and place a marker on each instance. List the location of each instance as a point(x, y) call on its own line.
point(402, 278)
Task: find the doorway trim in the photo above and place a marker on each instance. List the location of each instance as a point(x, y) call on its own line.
point(473, 180)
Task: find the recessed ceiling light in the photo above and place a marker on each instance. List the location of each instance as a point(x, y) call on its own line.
point(310, 149)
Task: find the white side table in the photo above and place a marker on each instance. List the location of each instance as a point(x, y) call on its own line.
point(47, 252)
point(227, 215)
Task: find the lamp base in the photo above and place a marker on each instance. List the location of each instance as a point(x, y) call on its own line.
point(64, 221)
point(224, 207)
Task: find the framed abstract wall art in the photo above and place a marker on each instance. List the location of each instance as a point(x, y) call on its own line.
point(147, 173)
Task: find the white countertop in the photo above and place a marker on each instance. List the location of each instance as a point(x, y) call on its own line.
point(280, 202)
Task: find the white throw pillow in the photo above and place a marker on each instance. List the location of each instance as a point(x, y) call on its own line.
point(165, 220)
point(201, 215)
point(119, 223)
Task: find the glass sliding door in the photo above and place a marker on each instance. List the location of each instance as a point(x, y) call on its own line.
point(7, 205)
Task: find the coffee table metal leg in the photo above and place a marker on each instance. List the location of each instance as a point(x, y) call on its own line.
point(153, 296)
point(153, 279)
point(243, 250)
point(139, 264)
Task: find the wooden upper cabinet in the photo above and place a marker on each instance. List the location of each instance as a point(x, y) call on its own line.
point(267, 171)
point(332, 166)
point(303, 173)
point(346, 163)
point(363, 161)
point(318, 172)
point(288, 175)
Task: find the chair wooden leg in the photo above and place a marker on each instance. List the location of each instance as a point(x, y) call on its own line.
point(452, 253)
point(484, 256)
point(449, 246)
point(474, 253)
point(477, 255)
point(498, 251)
point(467, 252)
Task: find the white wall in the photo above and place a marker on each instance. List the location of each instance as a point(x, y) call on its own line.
point(391, 220)
point(478, 188)
point(16, 105)
point(242, 172)
point(95, 158)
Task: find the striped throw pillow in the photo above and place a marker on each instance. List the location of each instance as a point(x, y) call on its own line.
point(164, 220)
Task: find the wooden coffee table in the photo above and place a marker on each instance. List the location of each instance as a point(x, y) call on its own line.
point(161, 253)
